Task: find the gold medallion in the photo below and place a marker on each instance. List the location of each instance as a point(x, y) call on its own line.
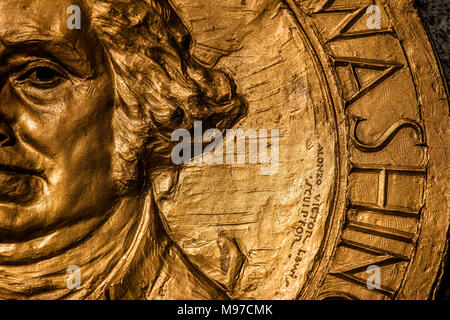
point(247, 149)
point(363, 117)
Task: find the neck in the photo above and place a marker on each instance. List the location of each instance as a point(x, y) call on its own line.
point(102, 250)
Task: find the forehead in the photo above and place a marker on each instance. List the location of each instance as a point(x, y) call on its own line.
point(36, 19)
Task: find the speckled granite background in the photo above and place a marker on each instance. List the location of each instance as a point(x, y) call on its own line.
point(435, 16)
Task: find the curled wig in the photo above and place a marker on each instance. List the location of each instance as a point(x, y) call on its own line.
point(159, 87)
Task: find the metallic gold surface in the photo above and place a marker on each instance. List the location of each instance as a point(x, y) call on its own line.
point(93, 206)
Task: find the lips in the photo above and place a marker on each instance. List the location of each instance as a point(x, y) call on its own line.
point(19, 170)
point(18, 184)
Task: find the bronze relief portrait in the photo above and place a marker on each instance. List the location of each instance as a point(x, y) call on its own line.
point(156, 149)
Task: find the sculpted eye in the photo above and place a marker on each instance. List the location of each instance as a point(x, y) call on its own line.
point(41, 77)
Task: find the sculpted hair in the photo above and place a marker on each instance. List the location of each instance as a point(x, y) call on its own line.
point(159, 86)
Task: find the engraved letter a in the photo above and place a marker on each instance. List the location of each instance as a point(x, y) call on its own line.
point(374, 21)
point(74, 279)
point(374, 281)
point(74, 21)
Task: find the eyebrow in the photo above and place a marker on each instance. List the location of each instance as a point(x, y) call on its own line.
point(61, 50)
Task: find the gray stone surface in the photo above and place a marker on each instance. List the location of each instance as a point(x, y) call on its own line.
point(435, 17)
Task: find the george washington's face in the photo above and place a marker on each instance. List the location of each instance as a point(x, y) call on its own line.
point(56, 108)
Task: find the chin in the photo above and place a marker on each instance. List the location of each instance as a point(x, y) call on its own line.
point(23, 222)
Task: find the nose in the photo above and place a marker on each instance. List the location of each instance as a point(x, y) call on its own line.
point(7, 137)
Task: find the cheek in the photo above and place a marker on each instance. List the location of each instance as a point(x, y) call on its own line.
point(83, 127)
point(88, 110)
point(92, 150)
point(31, 124)
point(74, 133)
point(87, 135)
point(84, 155)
